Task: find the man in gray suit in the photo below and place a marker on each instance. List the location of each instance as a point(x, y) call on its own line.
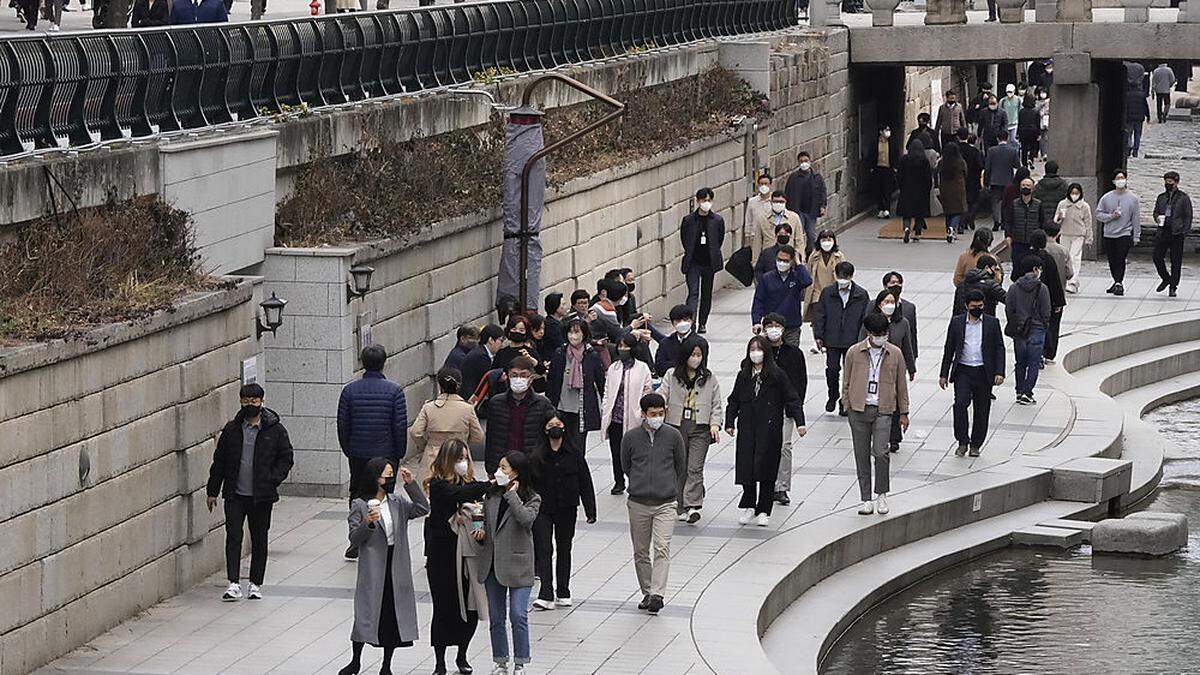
point(654, 460)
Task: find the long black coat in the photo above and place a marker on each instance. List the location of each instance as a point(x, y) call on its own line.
point(915, 180)
point(593, 383)
point(759, 423)
point(689, 232)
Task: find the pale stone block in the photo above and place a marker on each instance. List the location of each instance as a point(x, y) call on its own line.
point(1141, 533)
point(325, 268)
point(313, 399)
point(296, 365)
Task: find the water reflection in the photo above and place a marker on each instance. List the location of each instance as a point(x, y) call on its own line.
point(1038, 611)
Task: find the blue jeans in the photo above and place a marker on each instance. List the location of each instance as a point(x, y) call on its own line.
point(1133, 138)
point(1028, 355)
point(953, 222)
point(518, 614)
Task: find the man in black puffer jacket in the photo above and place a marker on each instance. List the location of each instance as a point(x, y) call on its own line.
point(517, 418)
point(253, 456)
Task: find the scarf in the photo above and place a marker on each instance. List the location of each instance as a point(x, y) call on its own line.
point(575, 366)
point(883, 153)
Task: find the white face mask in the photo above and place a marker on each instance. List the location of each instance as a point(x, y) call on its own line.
point(776, 207)
point(783, 267)
point(805, 166)
point(683, 327)
point(518, 384)
point(887, 309)
point(844, 283)
point(1120, 183)
point(764, 189)
point(654, 423)
point(694, 362)
point(887, 133)
point(575, 339)
point(756, 357)
point(705, 207)
point(877, 341)
point(502, 478)
point(460, 467)
point(826, 245)
point(774, 333)
point(622, 301)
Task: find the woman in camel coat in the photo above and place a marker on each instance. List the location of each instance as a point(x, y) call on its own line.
point(445, 417)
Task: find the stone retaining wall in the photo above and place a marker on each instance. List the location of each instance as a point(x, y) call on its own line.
point(106, 444)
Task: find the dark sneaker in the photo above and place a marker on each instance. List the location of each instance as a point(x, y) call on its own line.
point(960, 451)
point(702, 330)
point(617, 489)
point(974, 452)
point(830, 405)
point(907, 235)
point(1119, 289)
point(645, 603)
point(1174, 293)
point(893, 447)
point(351, 553)
point(656, 603)
point(781, 498)
point(1162, 287)
point(693, 516)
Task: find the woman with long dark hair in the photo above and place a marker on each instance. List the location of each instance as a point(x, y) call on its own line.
point(627, 380)
point(455, 585)
point(915, 178)
point(385, 606)
point(575, 383)
point(694, 408)
point(562, 479)
point(981, 244)
point(952, 189)
point(761, 397)
point(506, 561)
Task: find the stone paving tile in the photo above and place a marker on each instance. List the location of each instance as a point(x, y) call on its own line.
point(303, 624)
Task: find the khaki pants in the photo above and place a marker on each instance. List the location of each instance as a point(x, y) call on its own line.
point(1074, 246)
point(783, 482)
point(651, 526)
point(695, 438)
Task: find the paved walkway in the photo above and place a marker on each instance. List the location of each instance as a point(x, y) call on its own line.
point(304, 623)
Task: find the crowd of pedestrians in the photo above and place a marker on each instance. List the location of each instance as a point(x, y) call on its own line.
point(523, 394)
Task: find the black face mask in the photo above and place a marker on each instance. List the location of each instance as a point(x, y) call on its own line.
point(782, 239)
point(1168, 186)
point(1026, 191)
point(251, 411)
point(629, 286)
point(895, 290)
point(514, 336)
point(555, 433)
point(625, 355)
point(975, 312)
point(389, 484)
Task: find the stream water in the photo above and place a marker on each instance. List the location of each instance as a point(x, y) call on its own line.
point(1042, 611)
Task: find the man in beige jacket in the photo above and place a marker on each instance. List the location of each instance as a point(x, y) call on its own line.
point(874, 387)
point(766, 232)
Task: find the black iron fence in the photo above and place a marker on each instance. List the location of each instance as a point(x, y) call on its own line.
point(79, 88)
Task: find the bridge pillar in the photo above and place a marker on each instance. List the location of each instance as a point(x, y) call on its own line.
point(946, 12)
point(825, 13)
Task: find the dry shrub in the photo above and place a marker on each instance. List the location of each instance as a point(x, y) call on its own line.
point(124, 260)
point(395, 189)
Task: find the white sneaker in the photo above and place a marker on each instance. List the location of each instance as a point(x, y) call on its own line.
point(762, 520)
point(881, 506)
point(54, 28)
point(234, 592)
point(543, 604)
point(747, 515)
point(682, 517)
point(519, 668)
point(564, 602)
point(255, 593)
point(500, 669)
point(867, 508)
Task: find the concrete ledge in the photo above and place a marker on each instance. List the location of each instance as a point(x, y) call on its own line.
point(1040, 535)
point(1091, 479)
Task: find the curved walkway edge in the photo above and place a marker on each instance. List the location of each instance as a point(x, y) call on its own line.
point(958, 518)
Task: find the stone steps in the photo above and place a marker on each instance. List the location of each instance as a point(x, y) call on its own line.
point(1039, 535)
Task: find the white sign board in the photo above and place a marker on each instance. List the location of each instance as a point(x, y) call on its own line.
point(250, 370)
point(365, 337)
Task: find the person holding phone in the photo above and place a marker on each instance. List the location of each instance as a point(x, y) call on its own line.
point(385, 605)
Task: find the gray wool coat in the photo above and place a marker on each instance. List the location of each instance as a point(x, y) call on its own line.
point(509, 544)
point(372, 564)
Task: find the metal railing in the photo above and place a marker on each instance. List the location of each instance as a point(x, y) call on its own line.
point(76, 89)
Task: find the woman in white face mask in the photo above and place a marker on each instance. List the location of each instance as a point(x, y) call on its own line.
point(900, 334)
point(446, 417)
point(694, 407)
point(456, 513)
point(754, 413)
point(824, 258)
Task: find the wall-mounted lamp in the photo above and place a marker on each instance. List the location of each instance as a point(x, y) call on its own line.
point(273, 313)
point(361, 281)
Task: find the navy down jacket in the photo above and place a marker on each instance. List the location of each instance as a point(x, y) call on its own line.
point(372, 418)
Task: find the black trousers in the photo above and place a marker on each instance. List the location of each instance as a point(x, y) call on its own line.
point(991, 9)
point(358, 465)
point(1018, 252)
point(1030, 148)
point(1162, 104)
point(1169, 243)
point(238, 510)
point(833, 370)
point(1050, 349)
point(615, 432)
point(884, 186)
point(553, 532)
point(973, 391)
point(759, 496)
point(896, 435)
point(699, 292)
point(1117, 250)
